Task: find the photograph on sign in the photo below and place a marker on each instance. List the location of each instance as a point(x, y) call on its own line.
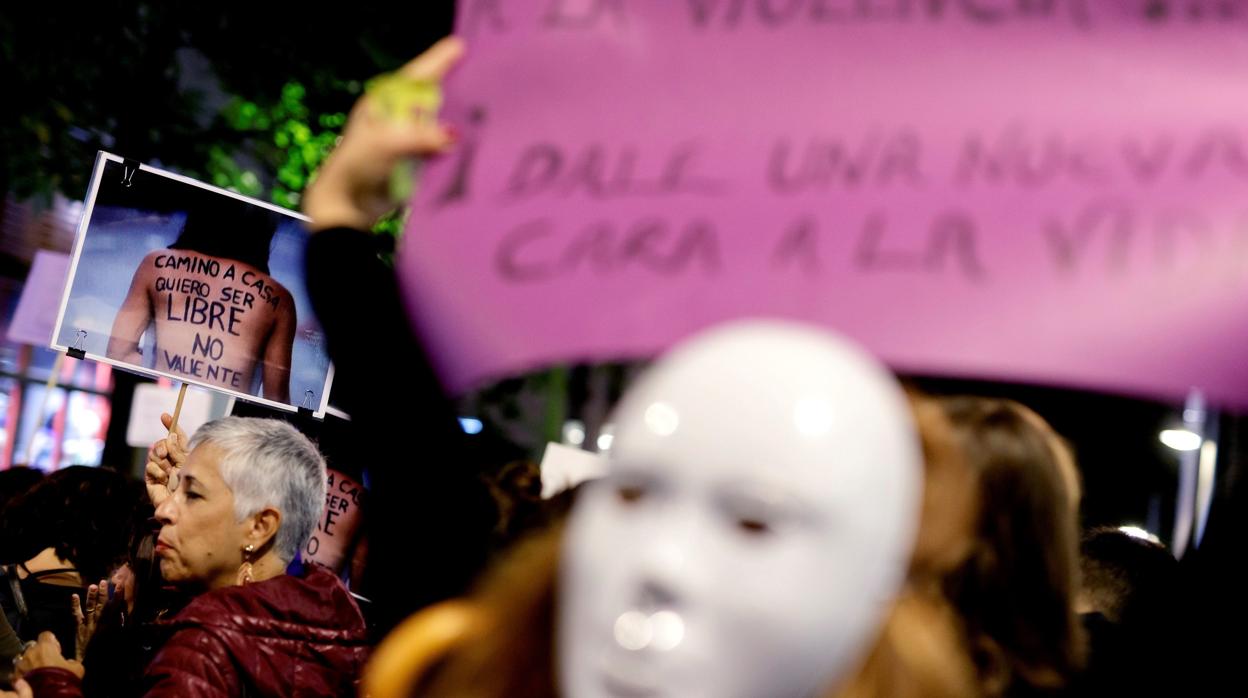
point(176, 278)
point(339, 526)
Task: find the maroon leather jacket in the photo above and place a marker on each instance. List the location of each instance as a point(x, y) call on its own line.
point(287, 636)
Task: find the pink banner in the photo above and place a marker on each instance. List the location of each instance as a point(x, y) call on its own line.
point(36, 311)
point(1036, 191)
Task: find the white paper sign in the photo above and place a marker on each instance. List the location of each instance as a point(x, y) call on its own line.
point(564, 467)
point(150, 400)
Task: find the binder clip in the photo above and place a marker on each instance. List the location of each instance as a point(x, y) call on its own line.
point(77, 351)
point(305, 408)
point(128, 168)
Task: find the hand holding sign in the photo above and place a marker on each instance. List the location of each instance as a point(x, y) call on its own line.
point(353, 187)
point(164, 460)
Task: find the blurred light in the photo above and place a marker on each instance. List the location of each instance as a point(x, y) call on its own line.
point(85, 422)
point(1207, 470)
point(1141, 534)
point(633, 630)
point(1192, 415)
point(668, 630)
point(662, 631)
point(574, 432)
point(662, 419)
point(1181, 439)
point(471, 425)
point(604, 442)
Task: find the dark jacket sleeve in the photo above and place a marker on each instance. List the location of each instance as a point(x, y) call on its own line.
point(378, 361)
point(192, 663)
point(428, 516)
point(54, 683)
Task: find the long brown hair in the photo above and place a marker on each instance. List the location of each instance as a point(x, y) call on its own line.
point(510, 650)
point(1016, 592)
point(921, 650)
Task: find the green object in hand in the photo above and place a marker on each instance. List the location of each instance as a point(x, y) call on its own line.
point(398, 98)
point(403, 180)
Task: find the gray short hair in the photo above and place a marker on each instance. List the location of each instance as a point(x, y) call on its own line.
point(267, 462)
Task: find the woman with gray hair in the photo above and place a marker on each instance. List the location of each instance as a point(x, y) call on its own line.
point(234, 510)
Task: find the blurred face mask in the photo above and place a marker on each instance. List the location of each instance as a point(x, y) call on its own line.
point(756, 521)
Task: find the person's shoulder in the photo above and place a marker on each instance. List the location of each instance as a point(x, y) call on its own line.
point(278, 287)
point(149, 259)
point(310, 598)
point(286, 300)
point(213, 607)
point(56, 596)
point(286, 612)
point(256, 274)
point(149, 263)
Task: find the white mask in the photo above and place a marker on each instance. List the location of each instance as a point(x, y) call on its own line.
point(757, 518)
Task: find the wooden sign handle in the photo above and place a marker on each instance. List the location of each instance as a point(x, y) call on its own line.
point(177, 411)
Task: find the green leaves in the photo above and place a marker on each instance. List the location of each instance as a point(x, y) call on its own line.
point(245, 95)
point(280, 143)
